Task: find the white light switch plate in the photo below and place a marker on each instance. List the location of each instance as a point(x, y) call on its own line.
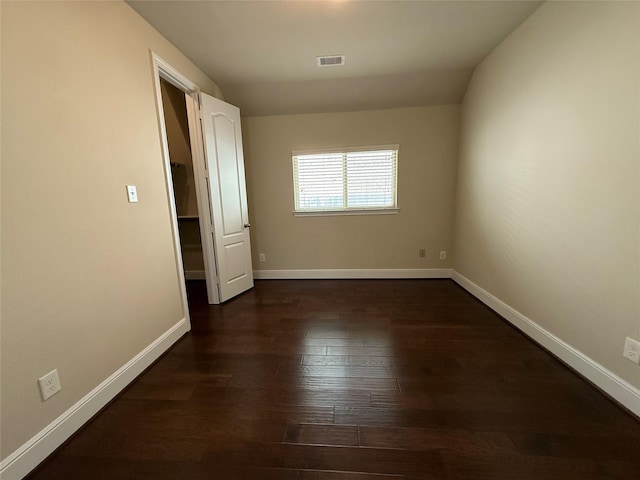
point(132, 193)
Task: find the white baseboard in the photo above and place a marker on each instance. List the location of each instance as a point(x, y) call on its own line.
point(352, 273)
point(616, 387)
point(194, 275)
point(28, 456)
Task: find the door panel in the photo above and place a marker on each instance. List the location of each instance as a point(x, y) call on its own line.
point(234, 254)
point(229, 187)
point(228, 197)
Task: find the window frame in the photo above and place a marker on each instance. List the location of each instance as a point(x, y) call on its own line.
point(376, 210)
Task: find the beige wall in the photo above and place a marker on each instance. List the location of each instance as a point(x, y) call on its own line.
point(428, 139)
point(88, 280)
point(548, 195)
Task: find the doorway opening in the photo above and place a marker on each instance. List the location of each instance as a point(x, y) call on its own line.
point(183, 179)
point(201, 141)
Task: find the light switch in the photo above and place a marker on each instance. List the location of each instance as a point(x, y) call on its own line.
point(132, 193)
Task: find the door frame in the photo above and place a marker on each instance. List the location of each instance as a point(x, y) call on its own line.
point(164, 70)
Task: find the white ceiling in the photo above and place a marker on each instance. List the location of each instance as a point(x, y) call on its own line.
point(398, 53)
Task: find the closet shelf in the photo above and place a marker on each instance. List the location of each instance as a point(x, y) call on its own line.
point(187, 217)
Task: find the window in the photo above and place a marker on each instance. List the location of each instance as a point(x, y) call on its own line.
point(353, 180)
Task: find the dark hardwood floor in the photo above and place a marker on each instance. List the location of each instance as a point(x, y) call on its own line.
point(353, 380)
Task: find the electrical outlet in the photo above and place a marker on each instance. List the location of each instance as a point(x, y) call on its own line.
point(422, 253)
point(632, 350)
point(262, 257)
point(49, 385)
point(443, 255)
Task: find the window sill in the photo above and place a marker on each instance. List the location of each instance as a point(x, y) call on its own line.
point(330, 213)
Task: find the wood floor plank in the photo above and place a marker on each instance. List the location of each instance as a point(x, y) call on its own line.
point(347, 360)
point(287, 395)
point(368, 350)
point(507, 467)
point(336, 371)
point(375, 461)
point(353, 380)
point(624, 449)
point(61, 467)
point(335, 435)
point(462, 441)
point(302, 413)
point(326, 475)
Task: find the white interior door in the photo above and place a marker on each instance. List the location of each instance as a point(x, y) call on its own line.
point(227, 192)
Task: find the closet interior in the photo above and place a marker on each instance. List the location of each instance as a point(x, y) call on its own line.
point(177, 128)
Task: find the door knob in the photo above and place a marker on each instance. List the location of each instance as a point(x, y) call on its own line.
point(247, 225)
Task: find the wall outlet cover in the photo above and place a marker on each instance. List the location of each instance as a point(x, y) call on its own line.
point(632, 350)
point(49, 385)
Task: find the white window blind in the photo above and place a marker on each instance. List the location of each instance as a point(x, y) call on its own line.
point(353, 179)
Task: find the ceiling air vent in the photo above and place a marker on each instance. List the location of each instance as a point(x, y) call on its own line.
point(330, 60)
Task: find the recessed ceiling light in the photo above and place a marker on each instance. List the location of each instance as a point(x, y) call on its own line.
point(330, 60)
